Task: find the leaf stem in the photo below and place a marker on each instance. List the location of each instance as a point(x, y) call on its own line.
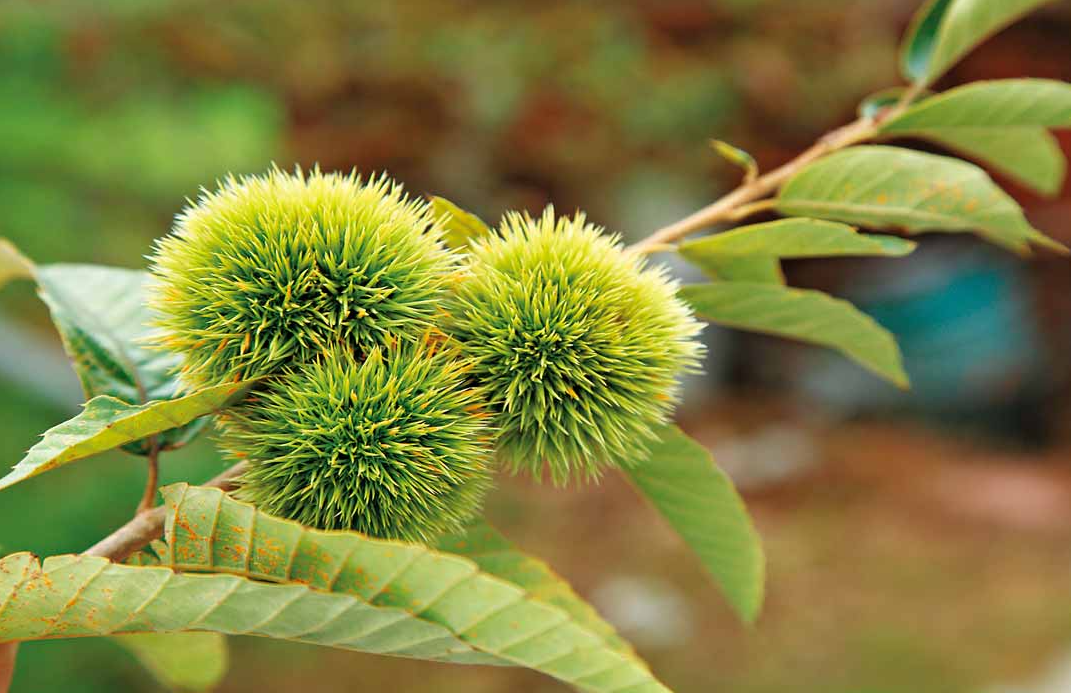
point(149, 525)
point(744, 211)
point(8, 650)
point(723, 209)
point(149, 497)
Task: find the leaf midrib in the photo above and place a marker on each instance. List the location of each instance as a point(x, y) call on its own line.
point(941, 220)
point(115, 343)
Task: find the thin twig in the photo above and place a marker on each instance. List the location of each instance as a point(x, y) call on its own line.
point(8, 650)
point(149, 525)
point(148, 499)
point(722, 209)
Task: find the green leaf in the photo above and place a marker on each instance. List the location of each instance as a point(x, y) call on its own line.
point(764, 269)
point(1030, 156)
point(108, 423)
point(461, 226)
point(752, 253)
point(104, 322)
point(797, 237)
point(994, 104)
point(13, 264)
point(231, 569)
point(890, 187)
point(1001, 123)
point(943, 31)
point(495, 555)
point(681, 480)
point(737, 157)
point(810, 316)
point(180, 661)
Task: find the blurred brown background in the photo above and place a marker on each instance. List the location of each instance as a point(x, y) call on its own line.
point(917, 542)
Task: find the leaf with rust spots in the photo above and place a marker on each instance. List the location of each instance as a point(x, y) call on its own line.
point(476, 605)
point(496, 555)
point(892, 188)
point(1001, 123)
point(107, 423)
point(449, 610)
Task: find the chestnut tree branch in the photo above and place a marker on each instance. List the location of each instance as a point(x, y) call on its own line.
point(724, 208)
point(118, 546)
point(148, 525)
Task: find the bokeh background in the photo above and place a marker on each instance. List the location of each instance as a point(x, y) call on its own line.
point(917, 542)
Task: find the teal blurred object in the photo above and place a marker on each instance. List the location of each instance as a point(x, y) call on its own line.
point(965, 321)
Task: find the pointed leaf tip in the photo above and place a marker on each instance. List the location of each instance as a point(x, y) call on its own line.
point(943, 31)
point(106, 423)
point(680, 479)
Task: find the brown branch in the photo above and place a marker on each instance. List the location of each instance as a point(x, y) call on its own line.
point(8, 650)
point(149, 525)
point(118, 546)
point(723, 209)
point(149, 497)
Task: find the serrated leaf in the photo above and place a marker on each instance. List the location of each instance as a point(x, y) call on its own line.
point(943, 31)
point(461, 226)
point(495, 555)
point(889, 187)
point(180, 661)
point(809, 316)
point(1001, 123)
point(107, 423)
point(79, 596)
point(13, 264)
point(231, 569)
point(104, 322)
point(681, 481)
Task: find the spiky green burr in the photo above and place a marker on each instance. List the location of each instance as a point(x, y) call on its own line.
point(578, 344)
point(274, 269)
point(394, 446)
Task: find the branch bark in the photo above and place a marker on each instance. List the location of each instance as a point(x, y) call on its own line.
point(723, 209)
point(118, 546)
point(754, 188)
point(149, 525)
